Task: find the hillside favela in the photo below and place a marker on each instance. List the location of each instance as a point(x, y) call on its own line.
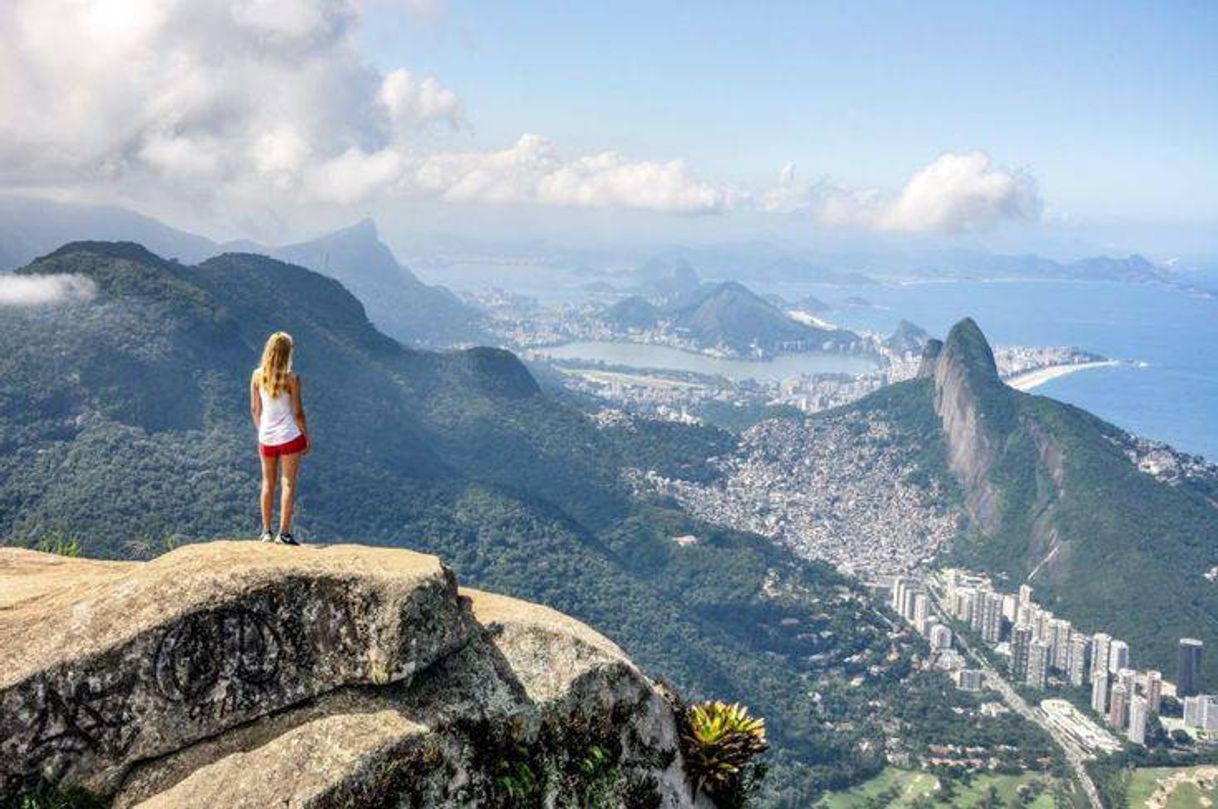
point(448, 403)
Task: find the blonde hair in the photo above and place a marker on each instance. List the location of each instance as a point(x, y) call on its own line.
point(276, 364)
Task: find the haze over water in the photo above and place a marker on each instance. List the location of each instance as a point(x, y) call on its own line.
point(1173, 399)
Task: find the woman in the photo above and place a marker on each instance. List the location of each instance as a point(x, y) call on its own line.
point(283, 436)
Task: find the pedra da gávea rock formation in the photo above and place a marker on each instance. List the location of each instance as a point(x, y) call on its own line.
point(242, 674)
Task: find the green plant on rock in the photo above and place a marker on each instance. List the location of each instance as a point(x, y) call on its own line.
point(59, 544)
point(720, 743)
point(45, 796)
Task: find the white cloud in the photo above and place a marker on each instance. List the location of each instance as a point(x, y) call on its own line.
point(954, 193)
point(532, 170)
point(39, 290)
point(410, 101)
point(266, 102)
point(252, 105)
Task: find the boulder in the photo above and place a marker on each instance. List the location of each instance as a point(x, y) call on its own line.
point(249, 675)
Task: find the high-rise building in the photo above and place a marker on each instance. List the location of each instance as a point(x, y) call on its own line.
point(1139, 709)
point(940, 638)
point(1038, 664)
point(1154, 690)
point(1201, 711)
point(1025, 595)
point(964, 604)
point(921, 608)
point(1101, 642)
point(991, 617)
point(1188, 667)
point(1021, 640)
point(970, 679)
point(898, 594)
point(1117, 703)
point(1040, 624)
point(1099, 692)
point(1080, 646)
point(1059, 635)
point(1118, 656)
point(1128, 679)
point(1010, 608)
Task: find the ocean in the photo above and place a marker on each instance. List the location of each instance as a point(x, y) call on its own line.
point(1172, 398)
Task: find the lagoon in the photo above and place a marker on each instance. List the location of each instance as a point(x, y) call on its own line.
point(666, 358)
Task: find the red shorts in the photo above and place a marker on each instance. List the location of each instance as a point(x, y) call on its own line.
point(292, 447)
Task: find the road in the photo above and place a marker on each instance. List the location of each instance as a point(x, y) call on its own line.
point(1075, 755)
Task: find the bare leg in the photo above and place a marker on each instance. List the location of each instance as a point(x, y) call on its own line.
point(287, 494)
point(270, 470)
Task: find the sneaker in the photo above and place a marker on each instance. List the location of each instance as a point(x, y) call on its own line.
point(286, 538)
point(267, 536)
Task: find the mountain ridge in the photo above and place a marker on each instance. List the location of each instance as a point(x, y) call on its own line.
point(1052, 495)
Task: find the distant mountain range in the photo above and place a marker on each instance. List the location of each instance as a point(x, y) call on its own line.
point(725, 314)
point(397, 302)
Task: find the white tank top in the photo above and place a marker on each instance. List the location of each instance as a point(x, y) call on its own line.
point(277, 425)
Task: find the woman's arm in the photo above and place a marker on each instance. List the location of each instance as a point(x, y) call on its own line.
point(255, 400)
point(298, 412)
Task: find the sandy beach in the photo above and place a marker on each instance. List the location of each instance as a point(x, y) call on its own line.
point(1034, 379)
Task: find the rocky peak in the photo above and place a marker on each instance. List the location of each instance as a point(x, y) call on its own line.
point(930, 357)
point(250, 675)
point(973, 406)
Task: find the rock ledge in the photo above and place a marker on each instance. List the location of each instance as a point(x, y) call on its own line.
point(248, 675)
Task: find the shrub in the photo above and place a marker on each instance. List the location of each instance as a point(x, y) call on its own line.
point(720, 743)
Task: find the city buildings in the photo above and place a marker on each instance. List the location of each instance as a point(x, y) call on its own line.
point(970, 679)
point(1037, 674)
point(1188, 667)
point(1118, 702)
point(1154, 690)
point(1099, 692)
point(1060, 633)
point(940, 638)
point(1101, 644)
point(1080, 648)
point(1138, 713)
point(1118, 656)
point(1201, 711)
point(991, 617)
point(1021, 642)
point(1127, 678)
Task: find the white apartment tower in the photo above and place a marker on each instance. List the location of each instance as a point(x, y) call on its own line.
point(1139, 710)
point(1101, 644)
point(1117, 704)
point(1099, 693)
point(1038, 664)
point(1154, 690)
point(1076, 670)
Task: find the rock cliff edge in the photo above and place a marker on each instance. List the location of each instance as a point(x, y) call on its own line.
point(248, 675)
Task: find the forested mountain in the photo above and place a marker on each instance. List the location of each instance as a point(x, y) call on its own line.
point(124, 419)
point(1054, 496)
point(397, 302)
point(730, 314)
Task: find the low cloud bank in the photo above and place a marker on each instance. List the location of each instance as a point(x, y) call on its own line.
point(40, 290)
point(956, 192)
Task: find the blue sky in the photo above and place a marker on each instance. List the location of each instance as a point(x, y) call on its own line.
point(1112, 106)
point(1065, 126)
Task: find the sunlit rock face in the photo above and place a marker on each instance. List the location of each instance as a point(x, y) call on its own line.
point(244, 674)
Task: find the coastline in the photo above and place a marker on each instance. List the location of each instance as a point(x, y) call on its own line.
point(1034, 379)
